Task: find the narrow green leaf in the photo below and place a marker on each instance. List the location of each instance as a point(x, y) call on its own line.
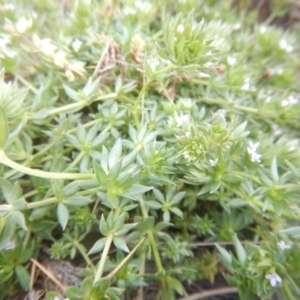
point(292, 231)
point(125, 229)
point(98, 246)
point(136, 189)
point(103, 227)
point(18, 217)
point(177, 212)
point(72, 94)
point(241, 253)
point(23, 277)
point(274, 170)
point(62, 215)
point(100, 173)
point(176, 285)
point(77, 201)
point(4, 130)
point(115, 154)
point(119, 222)
point(120, 244)
point(225, 257)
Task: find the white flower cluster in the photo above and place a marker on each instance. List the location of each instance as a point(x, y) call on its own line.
point(274, 279)
point(284, 45)
point(23, 24)
point(213, 162)
point(283, 246)
point(252, 150)
point(288, 101)
point(181, 119)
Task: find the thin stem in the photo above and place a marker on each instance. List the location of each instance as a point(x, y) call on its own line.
point(43, 174)
point(140, 294)
point(25, 82)
point(156, 256)
point(83, 253)
point(245, 175)
point(120, 265)
point(42, 203)
point(287, 290)
point(232, 105)
point(76, 160)
point(104, 255)
point(78, 105)
point(69, 107)
point(136, 110)
point(30, 194)
point(26, 239)
point(260, 204)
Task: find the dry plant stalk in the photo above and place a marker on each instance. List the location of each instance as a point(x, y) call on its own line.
point(111, 57)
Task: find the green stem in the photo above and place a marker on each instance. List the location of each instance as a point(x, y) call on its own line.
point(25, 82)
point(49, 201)
point(245, 175)
point(100, 268)
point(76, 160)
point(42, 203)
point(156, 256)
point(231, 105)
point(26, 239)
point(30, 194)
point(43, 174)
point(6, 207)
point(136, 111)
point(83, 253)
point(78, 105)
point(260, 204)
point(288, 291)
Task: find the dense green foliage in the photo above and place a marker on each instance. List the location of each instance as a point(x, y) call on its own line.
point(152, 129)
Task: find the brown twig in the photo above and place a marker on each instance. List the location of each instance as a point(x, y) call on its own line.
point(202, 295)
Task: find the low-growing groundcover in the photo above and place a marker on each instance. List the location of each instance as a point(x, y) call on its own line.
point(150, 143)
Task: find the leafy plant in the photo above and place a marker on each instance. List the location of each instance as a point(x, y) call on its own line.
point(140, 131)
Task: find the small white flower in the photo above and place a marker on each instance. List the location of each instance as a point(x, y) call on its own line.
point(268, 99)
point(129, 11)
point(60, 59)
point(180, 28)
point(213, 162)
point(10, 53)
point(142, 5)
point(10, 245)
point(76, 45)
point(262, 29)
point(4, 41)
point(5, 7)
point(274, 279)
point(153, 63)
point(284, 45)
point(181, 119)
point(23, 24)
point(237, 26)
point(186, 156)
point(282, 245)
point(246, 86)
point(188, 134)
point(276, 129)
point(231, 60)
point(278, 71)
point(290, 100)
point(208, 64)
point(251, 149)
point(45, 45)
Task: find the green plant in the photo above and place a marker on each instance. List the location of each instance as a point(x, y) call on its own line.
point(134, 131)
